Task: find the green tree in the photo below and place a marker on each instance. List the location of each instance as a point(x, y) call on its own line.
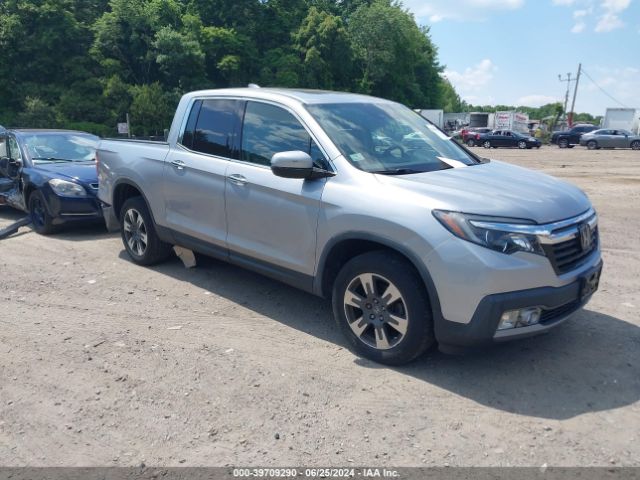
point(36, 113)
point(325, 51)
point(151, 109)
point(396, 57)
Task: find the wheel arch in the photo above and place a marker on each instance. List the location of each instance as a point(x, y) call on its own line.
point(349, 245)
point(124, 190)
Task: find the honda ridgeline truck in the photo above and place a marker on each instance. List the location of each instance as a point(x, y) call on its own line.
point(415, 239)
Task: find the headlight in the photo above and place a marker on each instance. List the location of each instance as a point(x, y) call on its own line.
point(495, 233)
point(67, 189)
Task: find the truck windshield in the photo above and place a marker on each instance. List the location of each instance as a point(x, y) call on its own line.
point(60, 147)
point(388, 138)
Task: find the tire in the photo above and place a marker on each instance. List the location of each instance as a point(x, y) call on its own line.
point(522, 144)
point(471, 143)
point(139, 234)
point(486, 144)
point(635, 145)
point(390, 333)
point(592, 145)
point(41, 221)
point(563, 143)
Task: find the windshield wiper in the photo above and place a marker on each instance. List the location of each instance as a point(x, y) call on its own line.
point(397, 171)
point(53, 159)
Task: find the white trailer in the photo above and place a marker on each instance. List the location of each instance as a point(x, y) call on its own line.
point(622, 119)
point(516, 121)
point(434, 116)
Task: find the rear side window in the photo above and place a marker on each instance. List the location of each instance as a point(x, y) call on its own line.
point(216, 128)
point(187, 136)
point(269, 129)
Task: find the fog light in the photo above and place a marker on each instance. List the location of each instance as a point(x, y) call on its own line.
point(523, 317)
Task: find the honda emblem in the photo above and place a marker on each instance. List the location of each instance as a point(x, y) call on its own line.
point(584, 231)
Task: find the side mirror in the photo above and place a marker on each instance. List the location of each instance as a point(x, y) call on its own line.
point(4, 163)
point(294, 164)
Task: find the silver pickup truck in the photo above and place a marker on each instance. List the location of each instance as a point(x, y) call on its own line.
point(415, 239)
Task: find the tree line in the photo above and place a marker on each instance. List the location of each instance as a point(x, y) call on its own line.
point(84, 64)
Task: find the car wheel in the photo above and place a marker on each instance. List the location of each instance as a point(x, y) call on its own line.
point(592, 144)
point(471, 143)
point(635, 145)
point(41, 221)
point(522, 144)
point(487, 144)
point(381, 308)
point(563, 143)
point(139, 234)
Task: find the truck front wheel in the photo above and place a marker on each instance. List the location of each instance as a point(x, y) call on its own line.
point(382, 309)
point(139, 234)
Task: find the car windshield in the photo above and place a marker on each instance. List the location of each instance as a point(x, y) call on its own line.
point(388, 138)
point(61, 147)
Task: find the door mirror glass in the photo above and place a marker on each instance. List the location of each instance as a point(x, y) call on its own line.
point(293, 164)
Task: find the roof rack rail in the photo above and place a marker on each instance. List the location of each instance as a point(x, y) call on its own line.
point(253, 85)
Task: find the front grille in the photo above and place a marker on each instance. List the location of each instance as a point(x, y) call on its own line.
point(552, 314)
point(568, 255)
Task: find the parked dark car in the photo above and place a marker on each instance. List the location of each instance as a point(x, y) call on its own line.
point(507, 138)
point(610, 138)
point(472, 135)
point(570, 138)
point(51, 174)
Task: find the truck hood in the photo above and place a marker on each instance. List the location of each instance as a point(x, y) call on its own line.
point(497, 189)
point(82, 172)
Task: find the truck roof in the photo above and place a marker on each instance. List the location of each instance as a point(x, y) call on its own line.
point(304, 96)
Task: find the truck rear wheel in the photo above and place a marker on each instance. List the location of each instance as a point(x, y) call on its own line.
point(139, 234)
point(382, 308)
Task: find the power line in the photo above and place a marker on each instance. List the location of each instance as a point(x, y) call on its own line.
point(602, 89)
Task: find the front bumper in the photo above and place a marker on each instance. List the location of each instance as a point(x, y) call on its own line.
point(558, 304)
point(66, 209)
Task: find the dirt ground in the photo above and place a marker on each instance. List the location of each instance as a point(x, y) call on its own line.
point(106, 363)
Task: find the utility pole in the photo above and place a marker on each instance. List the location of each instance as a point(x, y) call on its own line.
point(566, 96)
point(575, 92)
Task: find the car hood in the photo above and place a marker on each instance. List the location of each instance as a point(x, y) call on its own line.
point(496, 189)
point(82, 172)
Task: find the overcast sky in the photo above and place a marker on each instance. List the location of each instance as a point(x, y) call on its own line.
point(511, 51)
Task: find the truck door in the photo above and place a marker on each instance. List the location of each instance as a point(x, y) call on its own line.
point(194, 174)
point(271, 220)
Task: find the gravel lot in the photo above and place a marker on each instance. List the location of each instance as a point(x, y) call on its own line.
point(106, 363)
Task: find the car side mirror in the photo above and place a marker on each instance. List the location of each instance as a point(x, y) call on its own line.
point(293, 164)
point(4, 163)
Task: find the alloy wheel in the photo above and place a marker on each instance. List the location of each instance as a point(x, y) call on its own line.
point(376, 311)
point(135, 232)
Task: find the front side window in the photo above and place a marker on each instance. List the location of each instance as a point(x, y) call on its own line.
point(388, 138)
point(4, 151)
point(216, 128)
point(269, 129)
point(14, 149)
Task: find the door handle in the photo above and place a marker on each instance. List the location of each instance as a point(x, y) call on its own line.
point(179, 164)
point(237, 179)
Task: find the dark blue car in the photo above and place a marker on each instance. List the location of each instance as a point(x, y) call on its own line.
point(51, 174)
